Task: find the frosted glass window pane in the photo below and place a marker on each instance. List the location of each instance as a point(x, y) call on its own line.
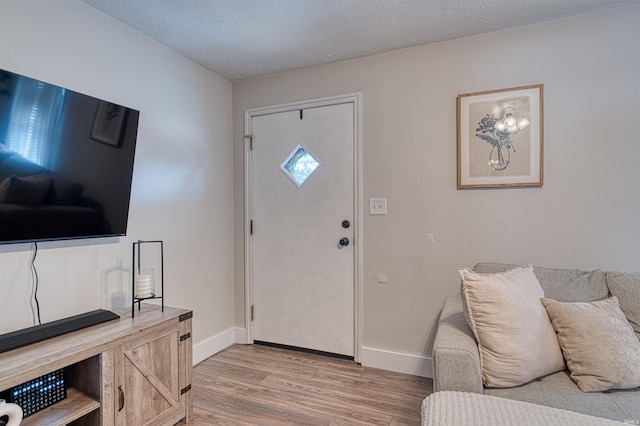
point(299, 165)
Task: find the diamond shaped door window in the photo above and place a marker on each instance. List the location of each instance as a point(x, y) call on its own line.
point(299, 165)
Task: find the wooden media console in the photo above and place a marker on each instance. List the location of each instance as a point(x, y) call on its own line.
point(129, 371)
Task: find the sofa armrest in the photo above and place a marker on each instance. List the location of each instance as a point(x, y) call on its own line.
point(456, 359)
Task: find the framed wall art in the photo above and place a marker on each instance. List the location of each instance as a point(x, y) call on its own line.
point(500, 138)
point(108, 122)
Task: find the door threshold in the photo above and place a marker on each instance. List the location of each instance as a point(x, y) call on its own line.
point(304, 350)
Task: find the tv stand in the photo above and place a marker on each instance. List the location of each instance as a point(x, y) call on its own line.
point(128, 371)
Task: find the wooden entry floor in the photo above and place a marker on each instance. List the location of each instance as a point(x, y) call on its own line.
point(257, 385)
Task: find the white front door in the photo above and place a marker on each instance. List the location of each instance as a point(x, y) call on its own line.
point(302, 198)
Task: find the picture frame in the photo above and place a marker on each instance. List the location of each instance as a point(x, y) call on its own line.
point(108, 122)
point(500, 138)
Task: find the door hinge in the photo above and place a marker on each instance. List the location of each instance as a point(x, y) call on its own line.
point(185, 337)
point(253, 312)
point(250, 137)
point(185, 389)
point(251, 227)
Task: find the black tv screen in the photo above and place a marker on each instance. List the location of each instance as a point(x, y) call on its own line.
point(66, 162)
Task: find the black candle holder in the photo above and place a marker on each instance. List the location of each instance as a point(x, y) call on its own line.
point(143, 279)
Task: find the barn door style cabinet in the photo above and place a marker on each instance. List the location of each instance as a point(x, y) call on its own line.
point(130, 371)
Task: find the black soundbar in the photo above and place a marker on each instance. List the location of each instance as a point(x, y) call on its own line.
point(27, 336)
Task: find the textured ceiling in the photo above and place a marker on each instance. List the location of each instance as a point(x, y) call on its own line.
point(241, 39)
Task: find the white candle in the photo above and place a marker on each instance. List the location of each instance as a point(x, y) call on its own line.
point(144, 285)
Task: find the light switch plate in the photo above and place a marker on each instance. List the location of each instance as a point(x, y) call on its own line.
point(377, 206)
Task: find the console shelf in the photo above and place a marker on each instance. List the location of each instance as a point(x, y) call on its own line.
point(104, 365)
point(75, 406)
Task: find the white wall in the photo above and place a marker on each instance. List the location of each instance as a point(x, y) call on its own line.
point(587, 215)
point(182, 189)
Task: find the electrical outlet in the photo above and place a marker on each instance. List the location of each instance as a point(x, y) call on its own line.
point(377, 206)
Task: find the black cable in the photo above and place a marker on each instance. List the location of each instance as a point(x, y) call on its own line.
point(34, 274)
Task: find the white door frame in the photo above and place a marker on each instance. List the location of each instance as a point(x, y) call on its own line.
point(356, 100)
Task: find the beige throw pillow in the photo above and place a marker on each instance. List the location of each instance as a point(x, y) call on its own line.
point(601, 350)
point(515, 338)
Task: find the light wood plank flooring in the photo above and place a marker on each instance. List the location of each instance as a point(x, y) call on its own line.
point(257, 385)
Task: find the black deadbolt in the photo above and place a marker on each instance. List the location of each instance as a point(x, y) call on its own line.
point(346, 224)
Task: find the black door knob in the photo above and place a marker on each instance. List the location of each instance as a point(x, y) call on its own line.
point(344, 242)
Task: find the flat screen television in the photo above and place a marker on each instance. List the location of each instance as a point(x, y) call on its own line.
point(66, 162)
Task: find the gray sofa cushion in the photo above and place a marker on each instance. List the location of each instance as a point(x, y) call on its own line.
point(558, 390)
point(629, 402)
point(626, 287)
point(563, 285)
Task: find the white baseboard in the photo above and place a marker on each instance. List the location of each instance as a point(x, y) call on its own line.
point(398, 362)
point(217, 343)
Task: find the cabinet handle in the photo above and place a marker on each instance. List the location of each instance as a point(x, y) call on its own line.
point(121, 397)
